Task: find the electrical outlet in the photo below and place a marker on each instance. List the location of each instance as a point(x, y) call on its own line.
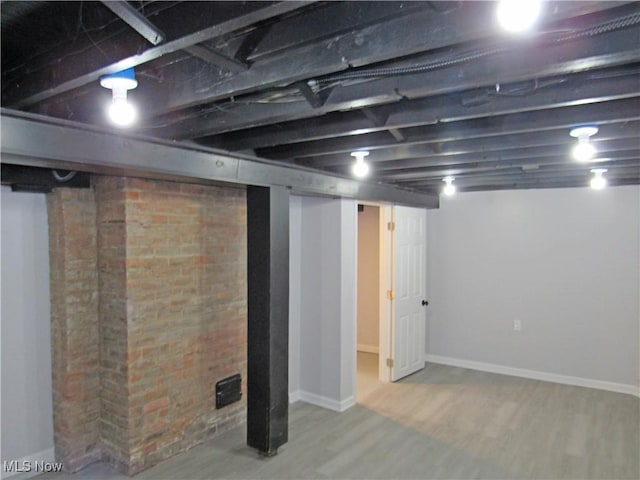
point(517, 325)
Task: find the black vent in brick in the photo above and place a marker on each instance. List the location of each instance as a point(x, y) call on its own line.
point(228, 390)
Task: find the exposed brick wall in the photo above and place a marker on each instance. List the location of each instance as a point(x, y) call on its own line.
point(114, 330)
point(172, 315)
point(74, 326)
point(186, 304)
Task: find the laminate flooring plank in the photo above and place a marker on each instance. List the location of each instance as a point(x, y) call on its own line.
point(440, 423)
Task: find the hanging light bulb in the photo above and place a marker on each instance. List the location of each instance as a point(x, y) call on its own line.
point(518, 16)
point(449, 188)
point(584, 150)
point(121, 112)
point(360, 169)
point(598, 182)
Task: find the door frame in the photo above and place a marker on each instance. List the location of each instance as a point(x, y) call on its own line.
point(386, 284)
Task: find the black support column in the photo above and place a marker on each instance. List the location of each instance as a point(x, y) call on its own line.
point(268, 304)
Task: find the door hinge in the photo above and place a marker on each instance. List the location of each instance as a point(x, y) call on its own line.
point(391, 295)
point(391, 226)
point(390, 362)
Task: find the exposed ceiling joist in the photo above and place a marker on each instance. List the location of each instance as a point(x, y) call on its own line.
point(445, 108)
point(520, 154)
point(611, 131)
point(421, 32)
point(609, 112)
point(606, 50)
point(429, 88)
point(35, 93)
point(490, 164)
point(215, 58)
point(135, 20)
point(547, 172)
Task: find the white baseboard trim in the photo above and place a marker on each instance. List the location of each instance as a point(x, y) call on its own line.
point(294, 396)
point(535, 375)
point(368, 348)
point(328, 403)
point(28, 463)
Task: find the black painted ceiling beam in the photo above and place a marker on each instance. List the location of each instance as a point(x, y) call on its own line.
point(135, 20)
point(422, 31)
point(33, 92)
point(621, 176)
point(551, 181)
point(522, 64)
point(578, 89)
point(541, 120)
point(329, 20)
point(214, 58)
point(512, 183)
point(523, 165)
point(522, 61)
point(611, 131)
point(532, 155)
point(629, 172)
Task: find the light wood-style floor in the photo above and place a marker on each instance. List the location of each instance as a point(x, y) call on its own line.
point(442, 423)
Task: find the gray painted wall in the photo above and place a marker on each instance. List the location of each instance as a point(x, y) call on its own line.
point(565, 262)
point(327, 298)
point(27, 413)
point(295, 248)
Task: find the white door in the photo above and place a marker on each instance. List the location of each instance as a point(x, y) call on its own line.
point(409, 286)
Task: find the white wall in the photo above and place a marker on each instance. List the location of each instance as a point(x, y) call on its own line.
point(27, 414)
point(565, 262)
point(327, 295)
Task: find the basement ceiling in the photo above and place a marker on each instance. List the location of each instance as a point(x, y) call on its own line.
point(430, 89)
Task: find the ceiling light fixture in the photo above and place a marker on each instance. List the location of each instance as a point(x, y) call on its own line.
point(121, 112)
point(360, 169)
point(598, 182)
point(518, 16)
point(449, 188)
point(584, 150)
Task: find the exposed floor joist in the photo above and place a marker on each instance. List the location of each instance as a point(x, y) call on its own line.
point(428, 88)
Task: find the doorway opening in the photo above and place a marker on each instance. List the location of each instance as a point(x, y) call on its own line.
point(391, 293)
point(374, 308)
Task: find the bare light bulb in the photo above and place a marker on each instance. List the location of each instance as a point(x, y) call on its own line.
point(584, 151)
point(122, 112)
point(518, 16)
point(360, 169)
point(598, 182)
point(449, 189)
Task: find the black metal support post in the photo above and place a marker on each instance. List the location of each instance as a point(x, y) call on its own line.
point(268, 308)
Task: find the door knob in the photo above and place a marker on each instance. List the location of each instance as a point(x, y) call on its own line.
point(424, 303)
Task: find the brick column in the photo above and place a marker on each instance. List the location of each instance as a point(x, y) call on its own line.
point(149, 292)
point(114, 330)
point(74, 317)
